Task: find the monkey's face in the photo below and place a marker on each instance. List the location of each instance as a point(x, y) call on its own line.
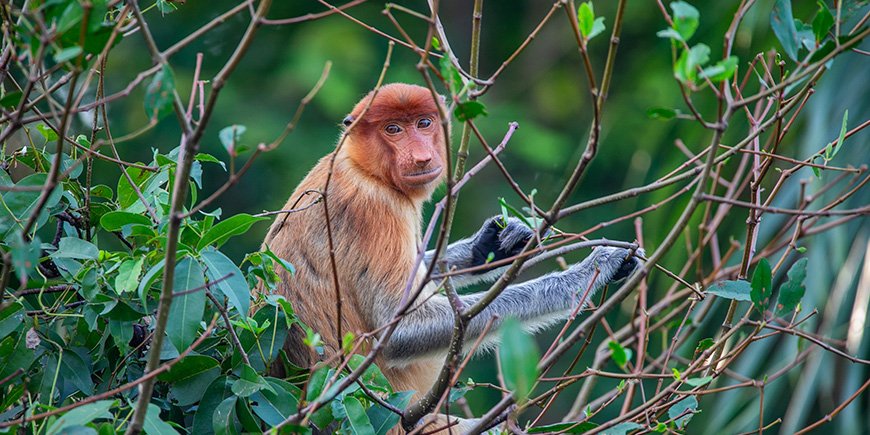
point(400, 139)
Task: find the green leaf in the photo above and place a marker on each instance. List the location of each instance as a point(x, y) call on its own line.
point(67, 53)
point(570, 427)
point(230, 137)
point(597, 27)
point(685, 19)
point(823, 21)
point(618, 353)
point(761, 285)
point(116, 220)
point(233, 226)
point(11, 318)
point(160, 94)
point(723, 70)
point(274, 406)
point(127, 279)
point(73, 247)
point(689, 406)
point(585, 18)
point(372, 377)
point(47, 133)
point(831, 150)
point(249, 382)
point(621, 429)
point(11, 100)
point(782, 22)
point(190, 378)
point(383, 419)
point(469, 110)
point(211, 399)
point(224, 420)
point(147, 281)
point(232, 283)
point(791, 293)
point(669, 33)
point(734, 290)
point(662, 113)
point(81, 416)
point(153, 425)
point(185, 313)
point(697, 382)
point(686, 68)
point(451, 75)
point(24, 255)
point(519, 359)
point(356, 416)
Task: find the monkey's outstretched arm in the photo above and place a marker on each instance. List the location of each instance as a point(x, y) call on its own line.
point(427, 329)
point(494, 241)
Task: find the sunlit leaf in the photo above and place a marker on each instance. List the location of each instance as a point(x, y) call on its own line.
point(519, 358)
point(735, 290)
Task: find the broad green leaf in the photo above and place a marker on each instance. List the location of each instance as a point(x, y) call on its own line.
point(585, 18)
point(25, 255)
point(249, 382)
point(127, 279)
point(232, 283)
point(17, 206)
point(761, 285)
point(316, 383)
point(73, 247)
point(451, 75)
point(224, 420)
point(160, 94)
point(372, 376)
point(185, 313)
point(274, 406)
point(735, 290)
point(10, 100)
point(148, 280)
point(791, 293)
point(233, 226)
point(81, 416)
point(831, 150)
point(570, 427)
point(383, 419)
point(823, 21)
point(10, 319)
point(47, 133)
point(213, 396)
point(190, 377)
point(356, 416)
point(686, 19)
point(153, 425)
point(689, 406)
point(67, 53)
point(519, 359)
point(686, 68)
point(116, 220)
point(469, 110)
point(782, 22)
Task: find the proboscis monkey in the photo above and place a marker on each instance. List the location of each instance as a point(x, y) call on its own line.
point(390, 163)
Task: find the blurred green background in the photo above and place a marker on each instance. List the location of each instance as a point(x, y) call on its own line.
point(545, 92)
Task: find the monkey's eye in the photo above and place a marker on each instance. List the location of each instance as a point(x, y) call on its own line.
point(392, 129)
point(424, 123)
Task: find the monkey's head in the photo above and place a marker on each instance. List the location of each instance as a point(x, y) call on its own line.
point(399, 139)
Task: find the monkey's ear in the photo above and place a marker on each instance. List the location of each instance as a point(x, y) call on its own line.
point(348, 120)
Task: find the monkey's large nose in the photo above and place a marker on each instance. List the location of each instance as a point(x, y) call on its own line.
point(422, 162)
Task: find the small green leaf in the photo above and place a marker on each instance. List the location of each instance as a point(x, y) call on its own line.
point(250, 382)
point(230, 137)
point(782, 22)
point(686, 19)
point(11, 100)
point(233, 226)
point(190, 377)
point(185, 313)
point(67, 54)
point(436, 44)
point(383, 419)
point(356, 417)
point(569, 427)
point(686, 68)
point(823, 21)
point(469, 110)
point(81, 416)
point(735, 290)
point(160, 94)
point(224, 420)
point(697, 382)
point(723, 70)
point(47, 133)
point(687, 408)
point(153, 425)
point(519, 359)
point(669, 33)
point(791, 293)
point(597, 27)
point(127, 279)
point(585, 18)
point(676, 373)
point(618, 353)
point(232, 283)
point(761, 285)
point(831, 150)
point(663, 113)
point(451, 75)
point(621, 429)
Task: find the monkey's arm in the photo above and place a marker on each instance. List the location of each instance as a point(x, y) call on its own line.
point(427, 330)
point(494, 241)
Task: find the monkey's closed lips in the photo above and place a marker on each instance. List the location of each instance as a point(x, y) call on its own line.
point(424, 177)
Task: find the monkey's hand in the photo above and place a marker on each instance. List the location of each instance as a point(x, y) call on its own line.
point(498, 240)
point(613, 264)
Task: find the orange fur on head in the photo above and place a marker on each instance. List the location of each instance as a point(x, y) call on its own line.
point(390, 159)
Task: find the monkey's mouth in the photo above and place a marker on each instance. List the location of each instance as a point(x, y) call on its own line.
point(423, 177)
